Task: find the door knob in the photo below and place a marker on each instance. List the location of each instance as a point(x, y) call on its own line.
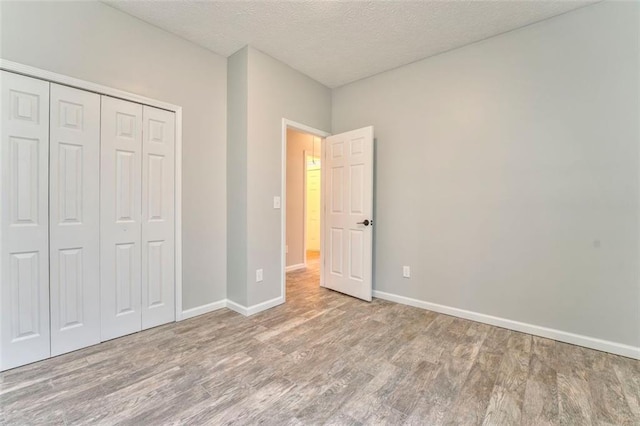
point(365, 222)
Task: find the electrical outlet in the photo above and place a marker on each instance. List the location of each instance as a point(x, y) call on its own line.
point(406, 272)
point(258, 275)
point(287, 248)
point(276, 202)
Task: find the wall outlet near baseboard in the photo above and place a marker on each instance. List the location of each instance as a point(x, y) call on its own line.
point(406, 272)
point(258, 275)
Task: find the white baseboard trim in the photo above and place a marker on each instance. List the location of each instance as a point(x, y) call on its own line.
point(265, 305)
point(204, 309)
point(251, 310)
point(291, 268)
point(550, 333)
point(243, 310)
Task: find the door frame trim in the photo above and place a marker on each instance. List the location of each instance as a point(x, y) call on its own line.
point(88, 86)
point(290, 124)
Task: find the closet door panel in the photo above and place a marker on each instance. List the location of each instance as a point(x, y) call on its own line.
point(158, 251)
point(120, 221)
point(24, 223)
point(74, 219)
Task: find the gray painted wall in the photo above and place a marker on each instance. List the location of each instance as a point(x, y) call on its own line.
point(297, 143)
point(507, 173)
point(94, 42)
point(237, 90)
point(276, 91)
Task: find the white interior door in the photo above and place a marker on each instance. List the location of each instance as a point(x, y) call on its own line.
point(24, 230)
point(120, 219)
point(74, 188)
point(312, 203)
point(348, 195)
point(158, 281)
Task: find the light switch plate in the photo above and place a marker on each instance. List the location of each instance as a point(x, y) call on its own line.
point(406, 272)
point(258, 275)
point(276, 202)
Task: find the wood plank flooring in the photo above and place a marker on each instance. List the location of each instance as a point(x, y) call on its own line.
point(326, 358)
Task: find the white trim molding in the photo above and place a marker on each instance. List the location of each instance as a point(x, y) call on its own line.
point(230, 304)
point(252, 310)
point(297, 267)
point(53, 77)
point(178, 214)
point(204, 309)
point(550, 333)
point(236, 307)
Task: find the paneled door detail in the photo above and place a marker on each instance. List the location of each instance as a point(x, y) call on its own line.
point(348, 191)
point(158, 281)
point(120, 218)
point(24, 224)
point(74, 188)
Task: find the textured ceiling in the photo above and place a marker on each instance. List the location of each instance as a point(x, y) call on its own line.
point(336, 42)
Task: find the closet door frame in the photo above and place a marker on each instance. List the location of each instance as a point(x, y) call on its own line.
point(52, 77)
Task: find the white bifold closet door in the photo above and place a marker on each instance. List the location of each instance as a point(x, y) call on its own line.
point(87, 218)
point(137, 222)
point(24, 220)
point(121, 217)
point(74, 188)
point(158, 248)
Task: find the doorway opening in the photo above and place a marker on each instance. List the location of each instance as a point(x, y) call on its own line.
point(345, 263)
point(302, 208)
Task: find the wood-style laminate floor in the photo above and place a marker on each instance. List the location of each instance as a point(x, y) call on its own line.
point(325, 358)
